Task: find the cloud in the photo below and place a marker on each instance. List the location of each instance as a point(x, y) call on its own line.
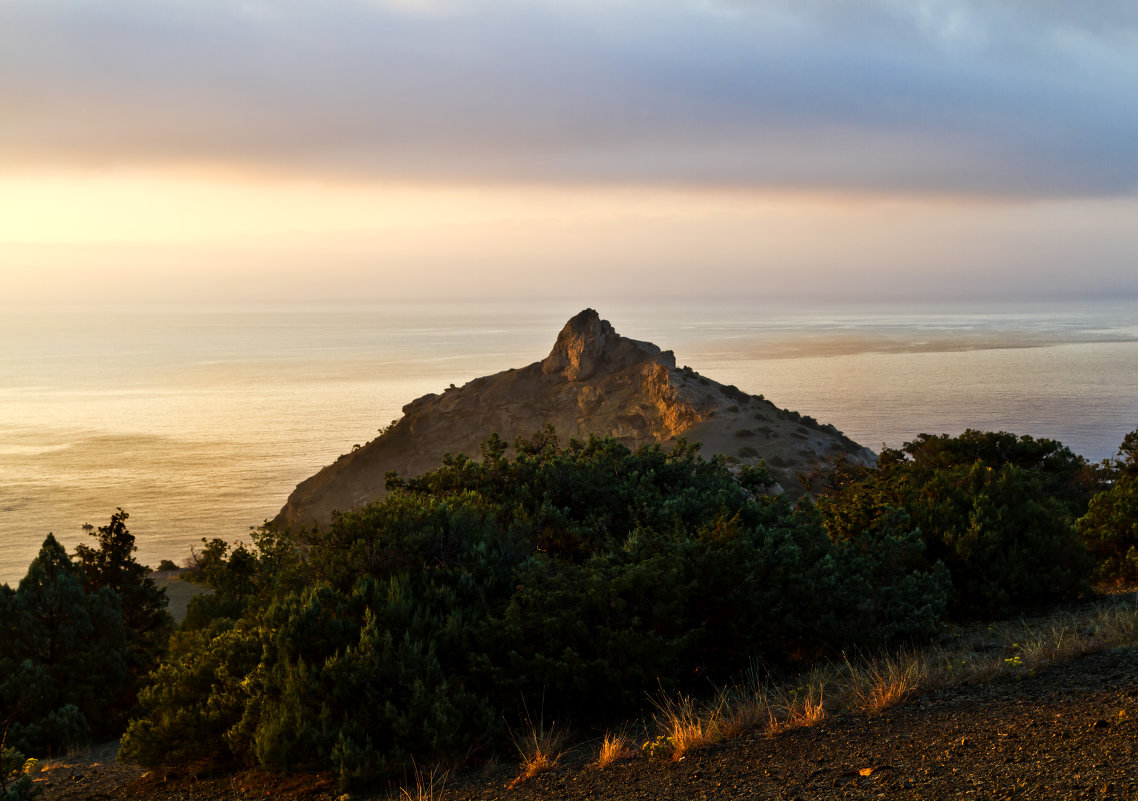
point(947, 96)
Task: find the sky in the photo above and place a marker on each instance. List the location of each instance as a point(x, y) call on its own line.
point(282, 151)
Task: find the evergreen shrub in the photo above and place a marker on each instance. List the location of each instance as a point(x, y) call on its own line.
point(996, 510)
point(1110, 526)
point(574, 579)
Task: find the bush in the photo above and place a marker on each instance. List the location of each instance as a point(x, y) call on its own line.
point(995, 510)
point(1110, 526)
point(77, 637)
point(1110, 530)
point(15, 783)
point(419, 628)
point(195, 697)
point(62, 668)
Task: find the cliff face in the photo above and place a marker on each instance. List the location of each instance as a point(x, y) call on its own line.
point(594, 381)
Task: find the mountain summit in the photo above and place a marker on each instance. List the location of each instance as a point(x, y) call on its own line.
point(594, 381)
point(588, 345)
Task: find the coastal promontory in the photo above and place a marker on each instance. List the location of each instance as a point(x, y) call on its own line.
point(594, 381)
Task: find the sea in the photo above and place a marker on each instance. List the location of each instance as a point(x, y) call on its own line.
point(200, 421)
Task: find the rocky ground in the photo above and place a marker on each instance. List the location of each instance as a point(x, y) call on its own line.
point(1071, 731)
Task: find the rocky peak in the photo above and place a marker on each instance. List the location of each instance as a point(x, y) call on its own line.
point(588, 345)
point(594, 381)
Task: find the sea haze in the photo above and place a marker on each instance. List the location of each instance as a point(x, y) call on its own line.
point(199, 423)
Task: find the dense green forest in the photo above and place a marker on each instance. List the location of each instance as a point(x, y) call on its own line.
point(576, 579)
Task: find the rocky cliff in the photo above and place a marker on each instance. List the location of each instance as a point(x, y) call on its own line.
point(594, 381)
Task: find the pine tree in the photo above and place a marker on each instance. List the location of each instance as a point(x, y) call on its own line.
point(112, 566)
point(64, 655)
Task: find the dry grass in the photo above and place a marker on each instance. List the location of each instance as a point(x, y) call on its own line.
point(773, 707)
point(880, 682)
point(746, 708)
point(757, 704)
point(687, 726)
point(874, 683)
point(428, 786)
point(800, 706)
point(1070, 636)
point(1119, 626)
point(614, 748)
point(1059, 643)
point(540, 747)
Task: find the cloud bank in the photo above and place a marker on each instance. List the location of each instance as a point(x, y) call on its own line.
point(968, 97)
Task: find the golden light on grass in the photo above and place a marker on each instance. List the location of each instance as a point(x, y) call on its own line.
point(614, 748)
point(799, 707)
point(540, 747)
point(685, 726)
point(885, 681)
point(877, 682)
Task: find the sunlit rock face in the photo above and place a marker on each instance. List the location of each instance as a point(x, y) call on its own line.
point(588, 346)
point(594, 381)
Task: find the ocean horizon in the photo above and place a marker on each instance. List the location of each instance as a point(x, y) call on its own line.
point(200, 421)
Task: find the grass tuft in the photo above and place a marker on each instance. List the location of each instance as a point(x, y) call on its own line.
point(614, 748)
point(686, 726)
point(1119, 625)
point(799, 707)
point(881, 682)
point(540, 747)
point(428, 786)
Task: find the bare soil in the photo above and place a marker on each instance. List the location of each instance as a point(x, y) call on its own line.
point(1068, 732)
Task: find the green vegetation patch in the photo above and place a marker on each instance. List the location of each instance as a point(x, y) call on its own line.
point(421, 627)
point(1110, 526)
point(997, 510)
point(77, 635)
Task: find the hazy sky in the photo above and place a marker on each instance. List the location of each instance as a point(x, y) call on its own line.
point(297, 150)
